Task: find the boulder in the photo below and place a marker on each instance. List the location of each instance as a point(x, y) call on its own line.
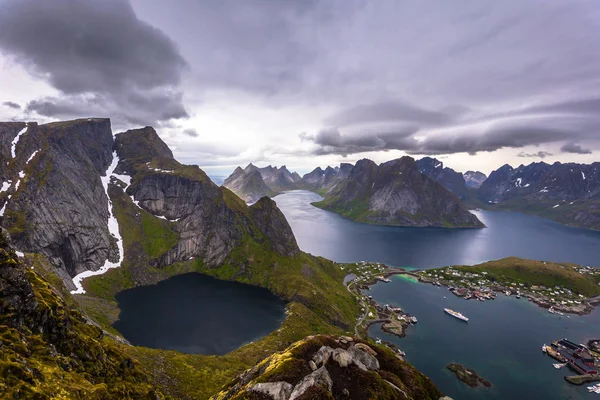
point(364, 357)
point(342, 357)
point(318, 378)
point(322, 356)
point(277, 390)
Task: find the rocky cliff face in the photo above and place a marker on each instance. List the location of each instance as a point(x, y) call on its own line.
point(249, 186)
point(474, 179)
point(568, 193)
point(54, 201)
point(396, 193)
point(447, 177)
point(325, 367)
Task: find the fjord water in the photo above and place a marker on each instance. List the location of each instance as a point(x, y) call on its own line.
point(198, 314)
point(503, 338)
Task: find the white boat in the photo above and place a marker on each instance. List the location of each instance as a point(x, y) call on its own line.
point(544, 348)
point(456, 314)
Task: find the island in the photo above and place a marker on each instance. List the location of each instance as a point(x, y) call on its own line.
point(559, 287)
point(468, 376)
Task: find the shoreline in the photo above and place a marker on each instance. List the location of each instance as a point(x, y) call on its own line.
point(585, 308)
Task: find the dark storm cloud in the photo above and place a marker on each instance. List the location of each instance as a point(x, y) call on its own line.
point(98, 54)
point(575, 149)
point(485, 135)
point(331, 141)
point(12, 104)
point(539, 154)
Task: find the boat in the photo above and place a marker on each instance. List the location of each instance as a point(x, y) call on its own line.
point(559, 366)
point(456, 314)
point(544, 348)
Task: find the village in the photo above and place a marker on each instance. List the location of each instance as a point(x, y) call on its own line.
point(480, 286)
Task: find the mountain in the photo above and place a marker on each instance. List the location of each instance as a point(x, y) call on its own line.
point(278, 179)
point(474, 179)
point(252, 182)
point(396, 193)
point(250, 185)
point(71, 185)
point(323, 181)
point(568, 193)
point(447, 177)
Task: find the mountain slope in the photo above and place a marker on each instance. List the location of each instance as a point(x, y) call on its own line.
point(396, 193)
point(49, 350)
point(568, 193)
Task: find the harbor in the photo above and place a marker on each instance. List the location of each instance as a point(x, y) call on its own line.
point(579, 358)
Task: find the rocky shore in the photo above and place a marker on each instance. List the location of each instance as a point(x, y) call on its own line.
point(468, 376)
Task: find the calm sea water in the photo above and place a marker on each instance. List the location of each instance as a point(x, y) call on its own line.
point(197, 314)
point(503, 338)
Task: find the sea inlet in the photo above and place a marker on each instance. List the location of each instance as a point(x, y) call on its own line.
point(503, 339)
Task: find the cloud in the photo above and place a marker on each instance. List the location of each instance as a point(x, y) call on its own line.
point(99, 55)
point(386, 111)
point(191, 132)
point(11, 104)
point(539, 154)
point(575, 149)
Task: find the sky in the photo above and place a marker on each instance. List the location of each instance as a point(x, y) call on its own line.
point(306, 83)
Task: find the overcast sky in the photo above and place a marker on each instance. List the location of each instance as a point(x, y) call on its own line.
point(305, 83)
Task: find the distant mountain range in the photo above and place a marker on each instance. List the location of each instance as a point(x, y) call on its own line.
point(567, 193)
point(394, 193)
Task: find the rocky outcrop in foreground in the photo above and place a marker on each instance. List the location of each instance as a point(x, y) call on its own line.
point(325, 367)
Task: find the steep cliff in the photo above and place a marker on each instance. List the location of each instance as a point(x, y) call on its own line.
point(54, 202)
point(568, 193)
point(396, 193)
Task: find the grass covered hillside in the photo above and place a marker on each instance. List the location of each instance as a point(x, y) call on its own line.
point(578, 279)
point(49, 350)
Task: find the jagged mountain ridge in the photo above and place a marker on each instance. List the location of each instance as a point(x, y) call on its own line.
point(58, 206)
point(249, 186)
point(568, 193)
point(396, 193)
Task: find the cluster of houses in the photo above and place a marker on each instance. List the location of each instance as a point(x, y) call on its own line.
point(478, 286)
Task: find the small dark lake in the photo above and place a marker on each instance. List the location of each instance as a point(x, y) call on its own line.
point(198, 314)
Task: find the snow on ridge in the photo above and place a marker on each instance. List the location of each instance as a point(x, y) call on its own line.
point(518, 182)
point(13, 145)
point(5, 186)
point(31, 156)
point(113, 229)
point(583, 175)
point(556, 206)
point(19, 253)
